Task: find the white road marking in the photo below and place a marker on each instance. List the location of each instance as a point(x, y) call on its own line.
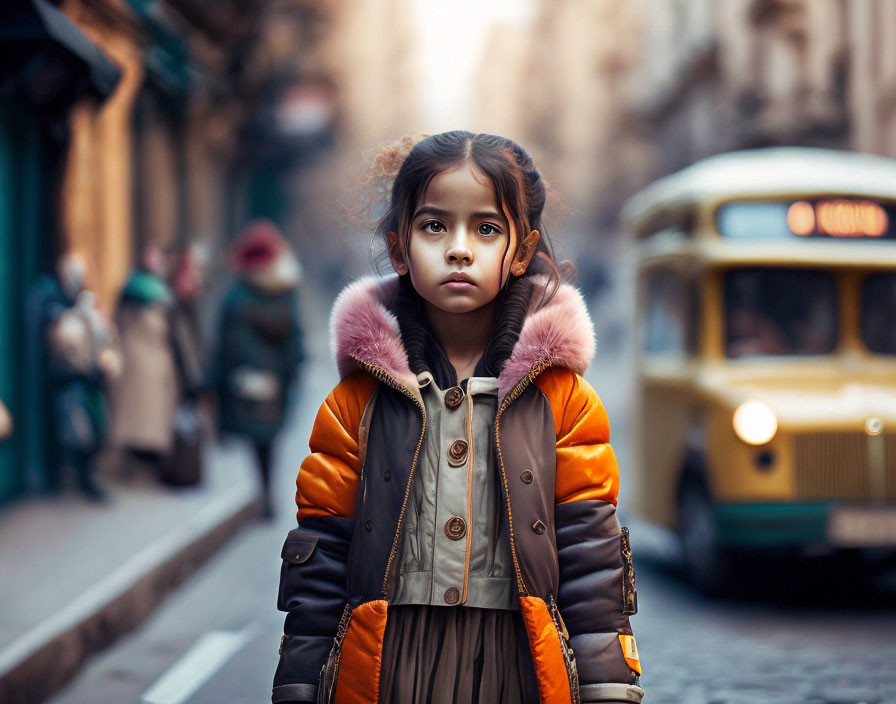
point(200, 662)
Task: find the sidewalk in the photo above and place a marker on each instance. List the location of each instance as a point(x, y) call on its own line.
point(74, 575)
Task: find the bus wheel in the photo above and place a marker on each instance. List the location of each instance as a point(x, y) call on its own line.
point(707, 564)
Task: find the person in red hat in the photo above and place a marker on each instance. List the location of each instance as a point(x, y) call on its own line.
point(258, 346)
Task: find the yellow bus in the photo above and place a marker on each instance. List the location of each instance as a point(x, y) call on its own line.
point(764, 409)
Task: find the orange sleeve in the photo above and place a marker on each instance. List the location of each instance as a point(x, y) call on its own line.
point(586, 464)
point(328, 479)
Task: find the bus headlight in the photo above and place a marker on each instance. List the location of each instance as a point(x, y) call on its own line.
point(755, 423)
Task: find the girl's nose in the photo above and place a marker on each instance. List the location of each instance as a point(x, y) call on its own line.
point(459, 250)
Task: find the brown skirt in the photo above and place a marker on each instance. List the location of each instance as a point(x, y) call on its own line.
point(442, 655)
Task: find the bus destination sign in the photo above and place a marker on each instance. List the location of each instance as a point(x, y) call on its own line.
point(823, 218)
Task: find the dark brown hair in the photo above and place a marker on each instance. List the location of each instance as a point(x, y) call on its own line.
point(521, 190)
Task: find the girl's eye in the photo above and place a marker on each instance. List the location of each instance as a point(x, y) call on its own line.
point(487, 229)
point(433, 226)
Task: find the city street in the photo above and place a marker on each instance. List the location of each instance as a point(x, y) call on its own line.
point(185, 189)
point(810, 634)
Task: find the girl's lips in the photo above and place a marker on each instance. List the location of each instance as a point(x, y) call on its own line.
point(458, 285)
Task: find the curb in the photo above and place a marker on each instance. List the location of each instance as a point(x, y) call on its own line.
point(37, 664)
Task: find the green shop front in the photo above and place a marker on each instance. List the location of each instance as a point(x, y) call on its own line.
point(46, 65)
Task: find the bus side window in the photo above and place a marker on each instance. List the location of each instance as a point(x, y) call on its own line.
point(667, 324)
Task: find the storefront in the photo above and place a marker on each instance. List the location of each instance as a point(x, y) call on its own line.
point(46, 65)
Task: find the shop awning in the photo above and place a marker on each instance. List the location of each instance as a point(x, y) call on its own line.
point(25, 24)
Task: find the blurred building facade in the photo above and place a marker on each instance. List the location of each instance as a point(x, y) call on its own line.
point(169, 122)
point(746, 73)
point(47, 67)
point(609, 96)
point(176, 123)
point(370, 48)
point(565, 87)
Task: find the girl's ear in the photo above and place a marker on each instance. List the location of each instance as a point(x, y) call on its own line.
point(396, 255)
point(524, 253)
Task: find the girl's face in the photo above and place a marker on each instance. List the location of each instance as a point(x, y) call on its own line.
point(461, 243)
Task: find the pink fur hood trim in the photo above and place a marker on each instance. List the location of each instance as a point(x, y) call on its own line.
point(362, 329)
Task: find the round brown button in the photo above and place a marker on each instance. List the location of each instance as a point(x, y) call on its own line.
point(451, 595)
point(539, 527)
point(455, 528)
point(368, 525)
point(454, 396)
point(457, 453)
point(526, 476)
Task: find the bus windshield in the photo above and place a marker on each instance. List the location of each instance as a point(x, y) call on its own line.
point(879, 313)
point(770, 312)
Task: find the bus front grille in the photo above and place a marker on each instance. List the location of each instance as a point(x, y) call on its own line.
point(832, 466)
point(840, 465)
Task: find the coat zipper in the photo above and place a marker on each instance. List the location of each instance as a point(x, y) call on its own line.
point(511, 396)
point(341, 631)
point(569, 656)
point(386, 378)
point(629, 590)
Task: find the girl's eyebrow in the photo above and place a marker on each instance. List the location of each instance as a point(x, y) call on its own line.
point(489, 215)
point(442, 213)
point(431, 210)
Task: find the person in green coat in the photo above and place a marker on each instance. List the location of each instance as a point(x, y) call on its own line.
point(258, 346)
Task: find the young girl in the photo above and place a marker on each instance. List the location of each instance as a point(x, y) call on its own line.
point(457, 536)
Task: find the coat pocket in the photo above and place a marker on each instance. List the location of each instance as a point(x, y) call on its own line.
point(329, 673)
point(298, 547)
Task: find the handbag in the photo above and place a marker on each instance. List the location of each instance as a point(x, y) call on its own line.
point(257, 385)
point(183, 465)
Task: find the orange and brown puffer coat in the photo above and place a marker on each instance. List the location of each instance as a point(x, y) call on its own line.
point(560, 482)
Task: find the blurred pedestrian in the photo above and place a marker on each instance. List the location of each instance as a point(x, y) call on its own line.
point(188, 283)
point(258, 345)
point(187, 286)
point(183, 466)
point(145, 398)
point(80, 359)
